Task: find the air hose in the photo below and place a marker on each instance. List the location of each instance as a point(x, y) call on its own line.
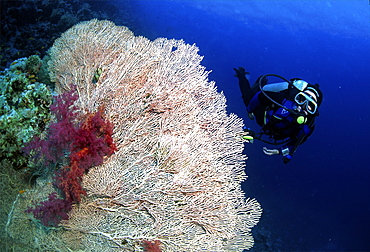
point(268, 97)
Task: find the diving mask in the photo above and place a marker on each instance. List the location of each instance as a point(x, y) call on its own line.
point(308, 100)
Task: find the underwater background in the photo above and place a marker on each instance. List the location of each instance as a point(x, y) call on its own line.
point(320, 201)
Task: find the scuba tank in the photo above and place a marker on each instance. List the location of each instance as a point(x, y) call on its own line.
point(280, 86)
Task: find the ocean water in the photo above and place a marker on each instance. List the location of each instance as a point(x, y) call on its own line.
point(320, 201)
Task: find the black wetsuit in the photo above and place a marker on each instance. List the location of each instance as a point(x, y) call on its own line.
point(277, 122)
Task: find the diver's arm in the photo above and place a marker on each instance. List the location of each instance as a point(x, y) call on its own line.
point(287, 151)
point(284, 151)
point(255, 101)
point(290, 148)
point(244, 85)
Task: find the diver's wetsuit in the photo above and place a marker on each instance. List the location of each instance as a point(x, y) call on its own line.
point(276, 121)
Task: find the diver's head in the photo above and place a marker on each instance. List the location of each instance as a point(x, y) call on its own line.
point(309, 98)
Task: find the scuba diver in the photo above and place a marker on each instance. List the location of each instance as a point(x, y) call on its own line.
point(286, 111)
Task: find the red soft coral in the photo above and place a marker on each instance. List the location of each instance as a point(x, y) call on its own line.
point(68, 180)
point(87, 144)
point(92, 142)
point(51, 211)
point(60, 134)
point(95, 133)
point(152, 246)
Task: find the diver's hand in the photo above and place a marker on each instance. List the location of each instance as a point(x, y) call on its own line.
point(240, 72)
point(270, 152)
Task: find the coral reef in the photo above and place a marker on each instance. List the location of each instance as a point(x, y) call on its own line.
point(30, 27)
point(175, 180)
point(24, 107)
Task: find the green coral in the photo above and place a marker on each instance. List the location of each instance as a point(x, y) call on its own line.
point(33, 64)
point(24, 107)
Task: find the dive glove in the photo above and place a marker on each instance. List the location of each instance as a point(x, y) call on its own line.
point(240, 72)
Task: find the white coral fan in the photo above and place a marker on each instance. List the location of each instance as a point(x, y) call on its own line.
point(176, 177)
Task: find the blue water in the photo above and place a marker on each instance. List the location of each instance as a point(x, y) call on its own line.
point(320, 201)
